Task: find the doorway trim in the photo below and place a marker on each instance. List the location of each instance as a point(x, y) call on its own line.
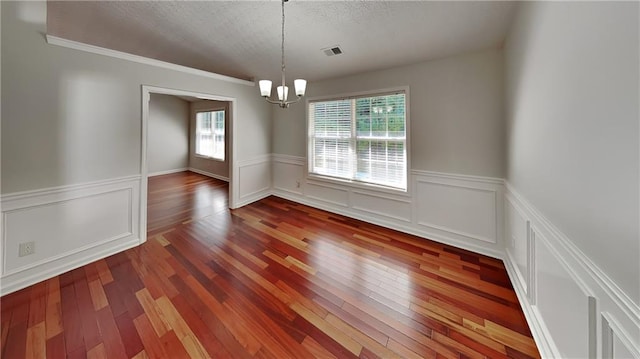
point(147, 90)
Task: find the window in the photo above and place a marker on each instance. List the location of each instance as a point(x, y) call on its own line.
point(360, 139)
point(210, 134)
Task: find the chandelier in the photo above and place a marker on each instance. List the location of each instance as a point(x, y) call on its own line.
point(300, 85)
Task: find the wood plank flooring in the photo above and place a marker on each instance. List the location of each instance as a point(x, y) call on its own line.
point(274, 279)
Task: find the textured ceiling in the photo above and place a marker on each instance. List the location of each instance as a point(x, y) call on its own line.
point(242, 38)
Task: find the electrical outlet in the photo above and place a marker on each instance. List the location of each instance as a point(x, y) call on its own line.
point(297, 184)
point(26, 249)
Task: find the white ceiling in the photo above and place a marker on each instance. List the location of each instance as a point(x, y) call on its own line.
point(242, 38)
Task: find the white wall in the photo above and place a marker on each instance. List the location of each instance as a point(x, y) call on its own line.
point(212, 167)
point(573, 170)
point(168, 134)
point(72, 141)
point(573, 126)
point(74, 117)
point(456, 111)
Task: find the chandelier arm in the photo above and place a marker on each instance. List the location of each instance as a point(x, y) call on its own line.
point(293, 101)
point(275, 102)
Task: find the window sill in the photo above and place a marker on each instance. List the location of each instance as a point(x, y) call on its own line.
point(210, 158)
point(356, 185)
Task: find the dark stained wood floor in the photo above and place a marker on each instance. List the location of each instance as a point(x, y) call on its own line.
point(274, 279)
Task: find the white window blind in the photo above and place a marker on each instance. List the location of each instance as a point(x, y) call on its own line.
point(210, 134)
point(360, 139)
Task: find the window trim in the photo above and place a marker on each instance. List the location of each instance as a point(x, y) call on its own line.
point(324, 180)
point(195, 134)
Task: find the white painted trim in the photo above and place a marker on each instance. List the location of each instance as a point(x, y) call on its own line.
point(531, 257)
point(524, 278)
point(254, 197)
point(208, 174)
point(54, 40)
point(459, 233)
point(376, 194)
point(557, 255)
point(8, 198)
point(613, 327)
point(620, 297)
point(356, 185)
point(456, 176)
point(255, 161)
point(292, 160)
point(346, 205)
point(234, 170)
point(360, 184)
point(446, 182)
point(265, 190)
point(381, 214)
point(65, 255)
point(168, 172)
point(285, 190)
point(536, 325)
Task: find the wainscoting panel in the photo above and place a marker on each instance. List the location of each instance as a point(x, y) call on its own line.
point(562, 303)
point(459, 209)
point(517, 241)
point(288, 175)
point(254, 179)
point(573, 308)
point(615, 343)
point(388, 207)
point(68, 226)
point(327, 193)
point(620, 349)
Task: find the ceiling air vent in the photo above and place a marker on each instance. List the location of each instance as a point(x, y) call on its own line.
point(334, 50)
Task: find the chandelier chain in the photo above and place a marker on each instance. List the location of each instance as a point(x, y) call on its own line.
point(299, 84)
point(282, 48)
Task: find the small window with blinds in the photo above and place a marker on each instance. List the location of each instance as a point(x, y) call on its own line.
point(360, 139)
point(210, 140)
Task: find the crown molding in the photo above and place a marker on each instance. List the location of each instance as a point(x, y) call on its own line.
point(54, 40)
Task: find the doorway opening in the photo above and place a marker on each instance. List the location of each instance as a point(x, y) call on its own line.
point(230, 102)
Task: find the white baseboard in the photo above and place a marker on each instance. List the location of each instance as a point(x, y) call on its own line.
point(395, 225)
point(253, 197)
point(70, 226)
point(167, 172)
point(539, 331)
point(208, 174)
point(23, 279)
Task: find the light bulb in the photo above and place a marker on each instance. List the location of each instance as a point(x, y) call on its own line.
point(286, 93)
point(265, 88)
point(300, 86)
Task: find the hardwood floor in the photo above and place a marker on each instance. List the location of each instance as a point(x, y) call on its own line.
point(274, 279)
